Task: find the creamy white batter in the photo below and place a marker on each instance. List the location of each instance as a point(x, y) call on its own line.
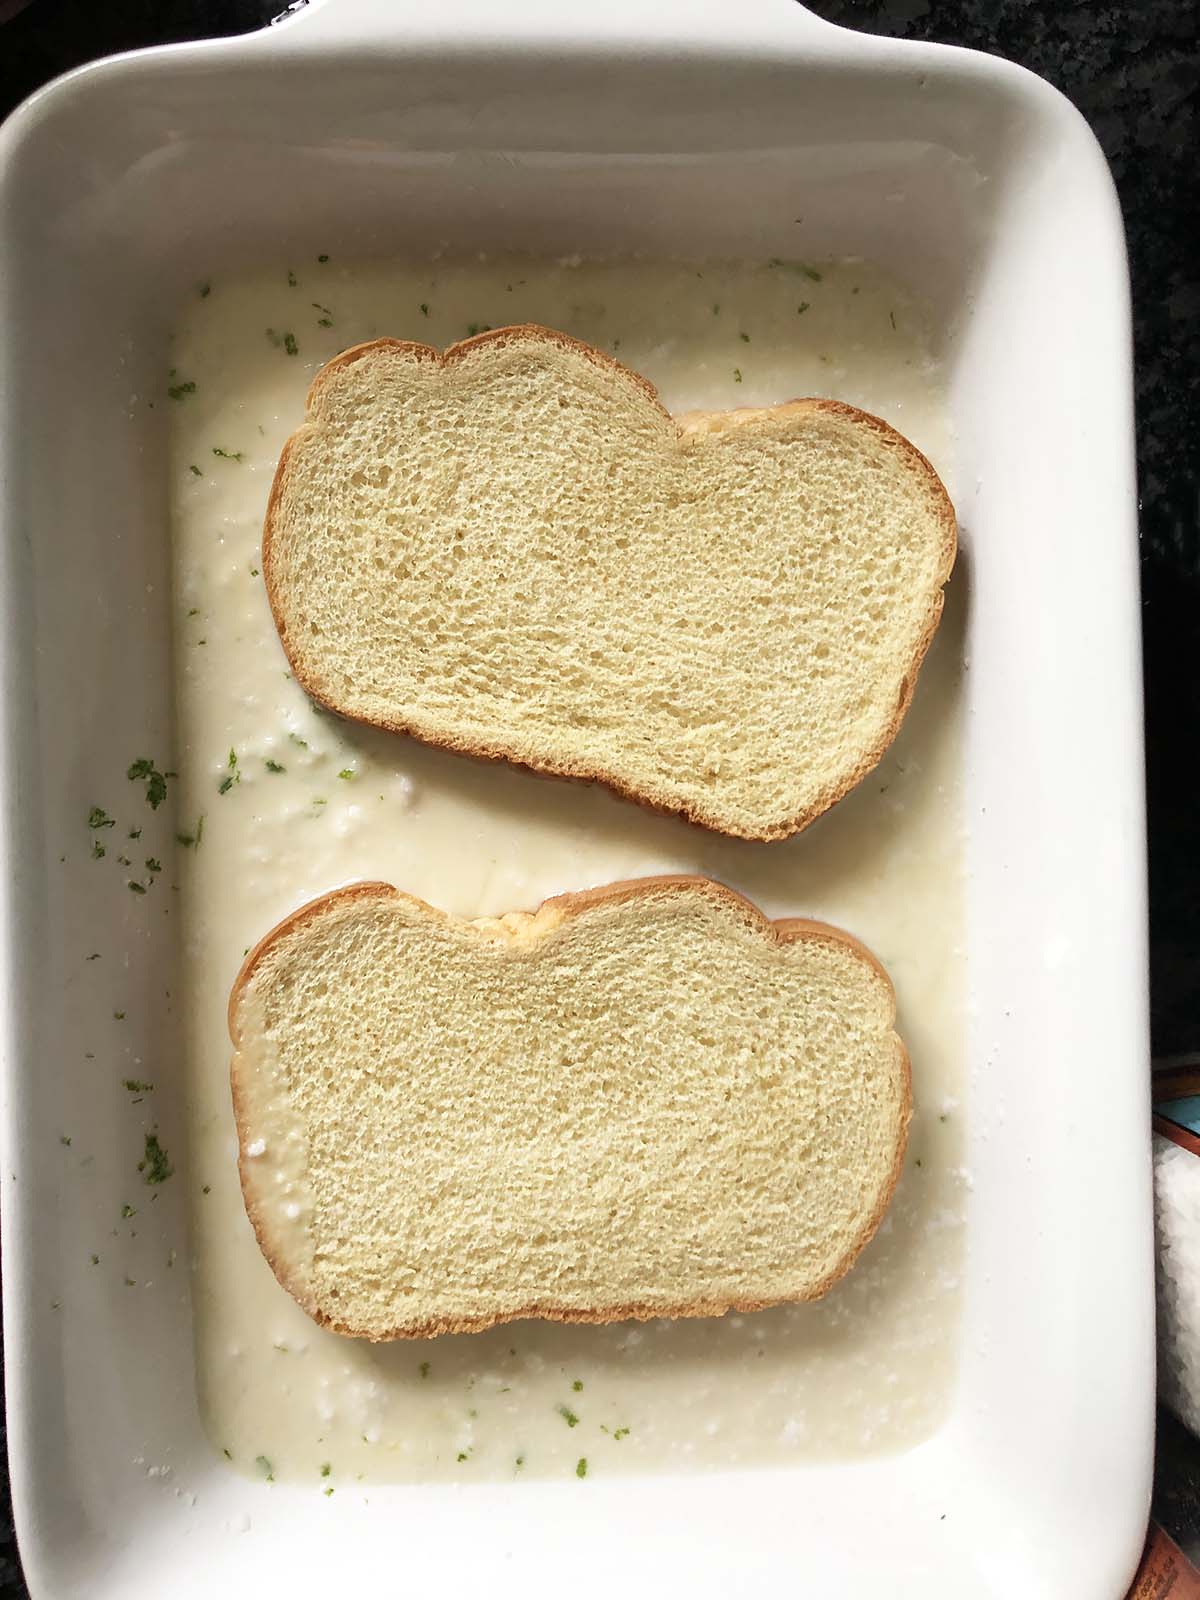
point(285, 802)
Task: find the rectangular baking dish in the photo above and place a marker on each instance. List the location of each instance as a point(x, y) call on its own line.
point(690, 130)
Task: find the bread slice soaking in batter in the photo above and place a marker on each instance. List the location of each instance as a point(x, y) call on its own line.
point(645, 1100)
point(512, 550)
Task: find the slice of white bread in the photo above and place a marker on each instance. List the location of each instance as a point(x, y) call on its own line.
point(640, 1101)
point(512, 550)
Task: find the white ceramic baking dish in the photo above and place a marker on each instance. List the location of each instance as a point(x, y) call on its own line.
point(685, 129)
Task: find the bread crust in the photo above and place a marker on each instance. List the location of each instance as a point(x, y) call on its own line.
point(550, 915)
point(690, 423)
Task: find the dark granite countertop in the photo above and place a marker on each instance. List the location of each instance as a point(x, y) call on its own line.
point(1131, 68)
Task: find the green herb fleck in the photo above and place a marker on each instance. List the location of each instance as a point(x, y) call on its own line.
point(581, 1467)
point(98, 850)
point(196, 470)
point(99, 818)
point(191, 841)
point(737, 374)
point(131, 1283)
point(577, 1385)
point(425, 309)
point(520, 1462)
point(128, 1211)
point(205, 290)
point(178, 390)
point(95, 1260)
point(124, 861)
point(206, 1188)
point(292, 279)
point(274, 766)
point(346, 772)
point(155, 1165)
point(424, 1369)
point(290, 345)
point(568, 1416)
point(152, 865)
point(136, 1085)
point(118, 1016)
point(296, 739)
point(326, 1469)
point(137, 888)
point(232, 776)
point(744, 337)
point(478, 327)
point(322, 259)
point(95, 956)
point(227, 1453)
point(227, 455)
point(621, 1433)
point(65, 1138)
point(716, 310)
point(892, 320)
point(134, 833)
point(802, 308)
point(462, 1455)
point(328, 1491)
point(265, 1467)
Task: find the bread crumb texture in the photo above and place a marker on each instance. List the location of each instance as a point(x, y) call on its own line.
point(640, 1101)
point(512, 550)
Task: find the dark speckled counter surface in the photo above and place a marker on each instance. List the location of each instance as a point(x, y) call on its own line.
point(1131, 68)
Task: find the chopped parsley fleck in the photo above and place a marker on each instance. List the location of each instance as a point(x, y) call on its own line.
point(796, 266)
point(227, 455)
point(205, 290)
point(328, 1490)
point(290, 345)
point(196, 470)
point(478, 327)
point(520, 1462)
point(98, 850)
point(265, 1467)
point(95, 1260)
point(228, 1454)
point(716, 310)
point(131, 1283)
point(191, 841)
point(136, 1085)
point(155, 1165)
point(137, 888)
point(177, 391)
point(322, 259)
point(206, 1188)
point(124, 861)
point(274, 766)
point(568, 1416)
point(232, 776)
point(128, 1211)
point(99, 818)
point(134, 833)
point(462, 1455)
point(424, 1369)
point(95, 956)
point(577, 1385)
point(326, 1469)
point(346, 772)
point(892, 320)
point(292, 279)
point(744, 337)
point(254, 572)
point(118, 1016)
point(581, 1467)
point(296, 739)
point(152, 865)
point(65, 1138)
point(621, 1433)
point(737, 374)
point(425, 308)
